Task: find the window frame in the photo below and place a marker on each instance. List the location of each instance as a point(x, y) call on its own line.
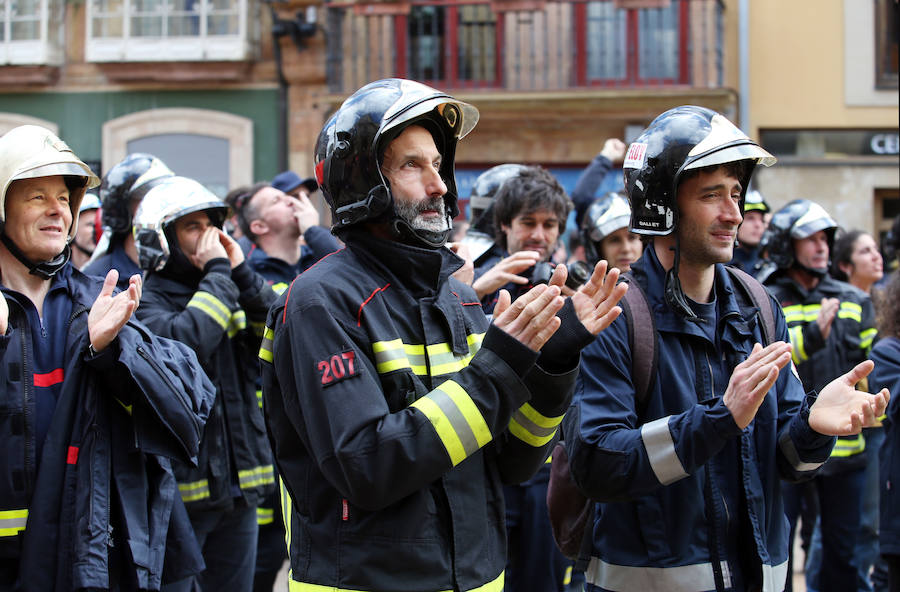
point(450, 48)
point(28, 51)
point(631, 49)
point(884, 80)
point(199, 47)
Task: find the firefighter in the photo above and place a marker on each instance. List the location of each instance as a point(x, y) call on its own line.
point(94, 405)
point(121, 192)
point(395, 412)
point(201, 291)
point(832, 327)
point(687, 471)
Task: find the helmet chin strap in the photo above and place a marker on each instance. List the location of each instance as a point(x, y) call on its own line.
point(44, 270)
point(816, 272)
point(675, 297)
point(405, 233)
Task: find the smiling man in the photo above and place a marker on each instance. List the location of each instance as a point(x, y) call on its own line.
point(94, 406)
point(530, 210)
point(688, 473)
point(395, 411)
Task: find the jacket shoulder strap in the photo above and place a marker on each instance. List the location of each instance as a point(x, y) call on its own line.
point(642, 341)
point(758, 295)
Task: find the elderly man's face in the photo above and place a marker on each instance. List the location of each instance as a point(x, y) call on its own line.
point(412, 166)
point(38, 216)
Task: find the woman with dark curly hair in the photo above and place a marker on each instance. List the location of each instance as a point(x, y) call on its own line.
point(857, 260)
point(886, 355)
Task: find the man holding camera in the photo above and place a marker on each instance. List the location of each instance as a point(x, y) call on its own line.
point(530, 211)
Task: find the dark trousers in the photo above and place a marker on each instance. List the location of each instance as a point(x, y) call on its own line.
point(228, 540)
point(533, 561)
point(840, 506)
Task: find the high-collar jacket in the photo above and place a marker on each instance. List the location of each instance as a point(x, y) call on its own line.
point(396, 414)
point(672, 473)
point(105, 475)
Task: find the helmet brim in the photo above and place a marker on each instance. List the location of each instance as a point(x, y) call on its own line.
point(732, 153)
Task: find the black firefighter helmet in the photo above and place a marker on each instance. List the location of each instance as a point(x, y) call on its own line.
point(681, 139)
point(351, 146)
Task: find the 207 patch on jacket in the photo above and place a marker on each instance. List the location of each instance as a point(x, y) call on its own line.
point(338, 367)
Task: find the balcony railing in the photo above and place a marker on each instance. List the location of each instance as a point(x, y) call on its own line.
point(560, 45)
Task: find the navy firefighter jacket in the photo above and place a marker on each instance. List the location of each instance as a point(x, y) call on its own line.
point(396, 415)
point(104, 476)
point(886, 374)
point(687, 496)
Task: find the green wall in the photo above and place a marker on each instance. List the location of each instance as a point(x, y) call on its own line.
point(81, 116)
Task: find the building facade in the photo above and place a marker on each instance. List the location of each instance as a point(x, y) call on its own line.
point(824, 99)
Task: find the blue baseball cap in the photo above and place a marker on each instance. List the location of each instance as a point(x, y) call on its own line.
point(289, 181)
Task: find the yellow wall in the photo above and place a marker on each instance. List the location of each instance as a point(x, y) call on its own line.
point(797, 71)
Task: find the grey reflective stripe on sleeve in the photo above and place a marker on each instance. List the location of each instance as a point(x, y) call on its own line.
point(774, 577)
point(661, 451)
point(625, 578)
point(793, 457)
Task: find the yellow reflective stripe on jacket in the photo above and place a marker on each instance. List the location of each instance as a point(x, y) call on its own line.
point(444, 361)
point(250, 478)
point(237, 323)
point(267, 345)
point(265, 516)
point(800, 313)
point(439, 357)
point(286, 512)
point(531, 427)
point(258, 328)
point(850, 310)
point(396, 355)
point(279, 288)
point(191, 492)
point(259, 397)
point(456, 419)
point(845, 447)
point(212, 306)
point(866, 338)
point(495, 585)
point(12, 522)
point(799, 351)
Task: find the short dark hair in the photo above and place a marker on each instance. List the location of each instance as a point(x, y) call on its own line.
point(239, 201)
point(533, 189)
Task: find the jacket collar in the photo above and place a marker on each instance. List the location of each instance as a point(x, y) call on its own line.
point(827, 287)
point(421, 271)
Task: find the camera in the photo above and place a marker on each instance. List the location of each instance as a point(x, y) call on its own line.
point(579, 273)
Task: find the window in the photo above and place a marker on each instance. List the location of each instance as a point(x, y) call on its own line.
point(617, 46)
point(212, 147)
point(452, 45)
point(131, 30)
point(887, 31)
point(25, 32)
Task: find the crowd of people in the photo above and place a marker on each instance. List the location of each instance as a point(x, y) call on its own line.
point(200, 389)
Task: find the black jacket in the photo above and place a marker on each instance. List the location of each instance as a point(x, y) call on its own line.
point(818, 360)
point(221, 319)
point(396, 415)
point(104, 474)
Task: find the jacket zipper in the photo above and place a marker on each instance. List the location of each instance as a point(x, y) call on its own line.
point(28, 395)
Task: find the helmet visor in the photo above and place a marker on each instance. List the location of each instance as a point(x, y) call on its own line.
point(59, 168)
point(459, 116)
point(733, 153)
